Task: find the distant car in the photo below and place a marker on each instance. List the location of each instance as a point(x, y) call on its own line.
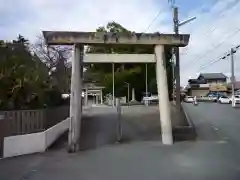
point(224, 100)
point(236, 99)
point(216, 95)
point(151, 99)
point(189, 99)
point(65, 96)
point(213, 97)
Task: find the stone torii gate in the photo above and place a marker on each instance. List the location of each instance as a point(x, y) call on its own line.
point(79, 39)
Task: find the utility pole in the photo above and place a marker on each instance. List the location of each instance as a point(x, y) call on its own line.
point(177, 64)
point(146, 83)
point(119, 123)
point(176, 25)
point(232, 77)
point(173, 75)
point(128, 94)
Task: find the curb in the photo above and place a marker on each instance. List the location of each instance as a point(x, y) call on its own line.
point(184, 133)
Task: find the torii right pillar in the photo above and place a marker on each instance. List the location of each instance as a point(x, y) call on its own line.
point(164, 104)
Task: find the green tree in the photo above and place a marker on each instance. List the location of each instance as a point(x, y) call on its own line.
point(19, 74)
point(24, 79)
point(134, 74)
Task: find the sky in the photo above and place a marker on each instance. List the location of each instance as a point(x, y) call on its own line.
point(213, 33)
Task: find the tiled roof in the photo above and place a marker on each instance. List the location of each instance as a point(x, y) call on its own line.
point(196, 81)
point(213, 75)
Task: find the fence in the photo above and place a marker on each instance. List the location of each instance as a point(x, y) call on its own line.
point(31, 121)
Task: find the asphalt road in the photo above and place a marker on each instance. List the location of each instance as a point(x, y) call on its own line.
point(216, 121)
point(215, 154)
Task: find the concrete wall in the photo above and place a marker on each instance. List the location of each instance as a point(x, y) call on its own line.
point(119, 58)
point(24, 144)
point(35, 142)
point(199, 92)
point(204, 85)
point(54, 132)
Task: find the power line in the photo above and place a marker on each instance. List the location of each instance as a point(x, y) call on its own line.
point(172, 2)
point(216, 46)
point(219, 44)
point(219, 59)
point(209, 64)
point(153, 20)
point(221, 14)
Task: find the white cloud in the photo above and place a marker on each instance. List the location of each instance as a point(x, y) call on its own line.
point(211, 37)
point(30, 17)
point(84, 15)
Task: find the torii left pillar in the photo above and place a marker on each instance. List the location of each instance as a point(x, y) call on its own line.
point(164, 104)
point(76, 99)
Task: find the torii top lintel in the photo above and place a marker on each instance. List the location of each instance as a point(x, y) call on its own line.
point(91, 38)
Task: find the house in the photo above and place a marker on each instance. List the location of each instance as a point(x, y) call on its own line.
point(213, 78)
point(197, 87)
point(207, 83)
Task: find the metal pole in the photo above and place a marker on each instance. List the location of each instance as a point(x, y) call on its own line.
point(173, 76)
point(113, 86)
point(128, 95)
point(119, 124)
point(146, 82)
point(232, 77)
point(177, 65)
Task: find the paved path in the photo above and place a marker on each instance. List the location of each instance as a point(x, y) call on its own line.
point(99, 126)
point(139, 123)
point(210, 157)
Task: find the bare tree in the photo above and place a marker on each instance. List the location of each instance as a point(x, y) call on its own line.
point(51, 55)
point(56, 59)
